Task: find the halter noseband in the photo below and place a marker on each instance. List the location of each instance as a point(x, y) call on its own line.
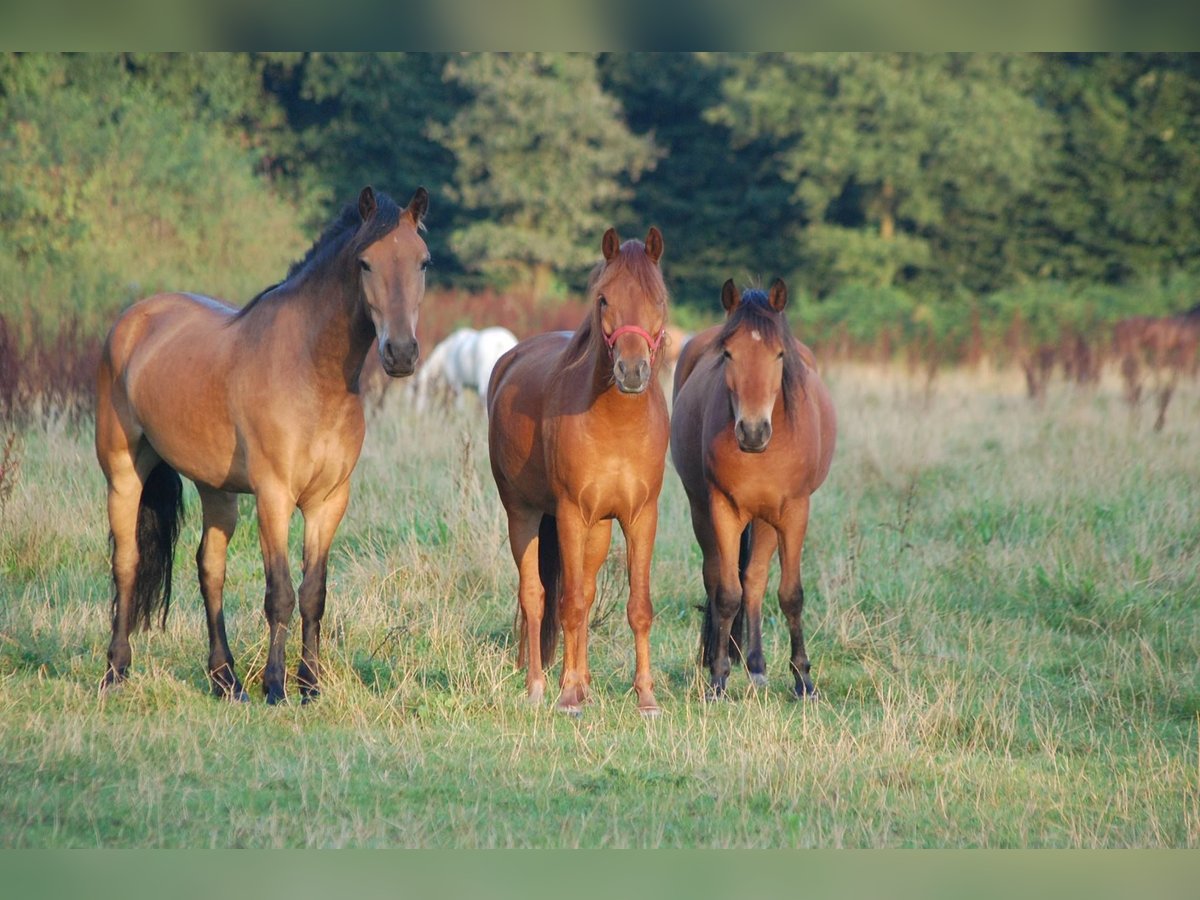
point(653, 340)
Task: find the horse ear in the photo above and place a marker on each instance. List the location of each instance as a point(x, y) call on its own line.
point(654, 244)
point(366, 203)
point(729, 296)
point(778, 297)
point(418, 205)
point(611, 244)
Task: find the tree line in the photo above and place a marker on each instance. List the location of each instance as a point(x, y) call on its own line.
point(909, 197)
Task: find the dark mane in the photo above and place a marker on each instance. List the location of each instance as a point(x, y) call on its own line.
point(338, 238)
point(632, 259)
point(754, 311)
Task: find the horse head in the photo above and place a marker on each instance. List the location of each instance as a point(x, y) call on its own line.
point(631, 307)
point(392, 259)
point(758, 356)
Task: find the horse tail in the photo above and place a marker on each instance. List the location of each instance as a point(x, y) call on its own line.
point(159, 514)
point(550, 572)
point(737, 632)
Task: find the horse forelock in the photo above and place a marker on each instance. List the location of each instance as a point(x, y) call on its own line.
point(754, 312)
point(631, 261)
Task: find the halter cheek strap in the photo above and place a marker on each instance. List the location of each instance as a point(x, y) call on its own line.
point(653, 340)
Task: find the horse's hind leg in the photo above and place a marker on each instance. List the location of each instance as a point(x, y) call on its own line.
point(126, 462)
point(1164, 398)
point(220, 520)
point(320, 523)
point(791, 592)
point(763, 541)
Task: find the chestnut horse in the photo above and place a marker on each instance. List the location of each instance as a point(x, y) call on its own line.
point(264, 401)
point(752, 437)
point(1168, 346)
point(577, 434)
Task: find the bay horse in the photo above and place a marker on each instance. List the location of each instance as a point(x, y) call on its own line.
point(577, 437)
point(752, 437)
point(1168, 346)
point(263, 400)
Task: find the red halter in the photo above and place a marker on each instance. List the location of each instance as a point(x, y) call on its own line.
point(653, 341)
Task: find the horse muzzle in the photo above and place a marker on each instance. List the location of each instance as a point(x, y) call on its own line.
point(631, 378)
point(399, 358)
point(752, 437)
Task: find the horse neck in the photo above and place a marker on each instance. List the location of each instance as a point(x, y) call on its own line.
point(335, 332)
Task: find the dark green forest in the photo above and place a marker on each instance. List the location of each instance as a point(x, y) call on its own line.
point(927, 199)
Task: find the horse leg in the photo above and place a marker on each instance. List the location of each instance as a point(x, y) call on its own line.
point(639, 540)
point(274, 511)
point(523, 525)
point(320, 524)
point(726, 598)
point(220, 520)
point(595, 551)
point(1164, 398)
point(791, 591)
point(573, 535)
point(763, 541)
point(125, 480)
point(126, 462)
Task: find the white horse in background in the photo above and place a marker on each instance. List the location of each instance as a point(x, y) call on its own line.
point(462, 362)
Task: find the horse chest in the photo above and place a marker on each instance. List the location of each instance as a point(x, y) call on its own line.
point(608, 472)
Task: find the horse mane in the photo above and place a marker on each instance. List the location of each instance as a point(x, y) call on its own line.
point(632, 258)
point(754, 311)
point(339, 235)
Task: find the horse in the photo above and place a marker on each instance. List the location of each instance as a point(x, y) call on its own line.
point(577, 437)
point(463, 361)
point(1167, 345)
point(753, 431)
point(265, 401)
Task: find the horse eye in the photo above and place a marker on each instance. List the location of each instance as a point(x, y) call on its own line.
point(603, 301)
point(780, 356)
point(725, 354)
point(364, 265)
point(426, 263)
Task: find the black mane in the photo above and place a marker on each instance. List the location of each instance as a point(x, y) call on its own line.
point(754, 311)
point(337, 238)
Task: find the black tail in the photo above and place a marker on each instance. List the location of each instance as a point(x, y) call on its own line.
point(159, 514)
point(550, 572)
point(737, 633)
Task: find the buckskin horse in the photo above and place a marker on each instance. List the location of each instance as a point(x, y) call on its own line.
point(262, 400)
point(578, 437)
point(752, 436)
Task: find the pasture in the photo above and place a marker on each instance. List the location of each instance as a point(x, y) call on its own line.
point(1001, 614)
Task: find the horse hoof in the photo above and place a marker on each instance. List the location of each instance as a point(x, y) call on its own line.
point(573, 710)
point(715, 694)
point(649, 712)
point(275, 696)
point(758, 680)
point(112, 682)
point(807, 693)
point(309, 696)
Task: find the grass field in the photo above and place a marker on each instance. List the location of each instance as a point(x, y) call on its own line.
point(1003, 616)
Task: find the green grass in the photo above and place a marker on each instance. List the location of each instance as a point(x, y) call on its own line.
point(1002, 615)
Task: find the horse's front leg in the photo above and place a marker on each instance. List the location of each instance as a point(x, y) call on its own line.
point(321, 521)
point(573, 534)
point(762, 543)
point(274, 511)
point(725, 599)
point(639, 541)
point(791, 591)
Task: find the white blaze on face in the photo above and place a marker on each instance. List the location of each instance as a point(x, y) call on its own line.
point(754, 334)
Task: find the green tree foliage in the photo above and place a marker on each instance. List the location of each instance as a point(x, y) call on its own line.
point(543, 164)
point(113, 186)
point(718, 197)
point(1125, 200)
point(891, 155)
